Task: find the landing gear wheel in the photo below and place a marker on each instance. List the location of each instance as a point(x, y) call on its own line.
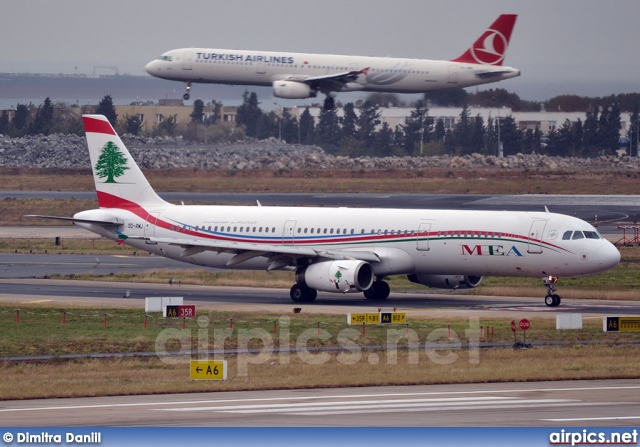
point(548, 300)
point(302, 294)
point(379, 291)
point(186, 96)
point(552, 300)
point(329, 103)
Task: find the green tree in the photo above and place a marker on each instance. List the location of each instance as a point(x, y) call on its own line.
point(348, 122)
point(216, 112)
point(414, 128)
point(44, 119)
point(307, 127)
point(591, 133)
point(21, 119)
point(4, 122)
point(368, 119)
point(167, 126)
point(133, 124)
point(111, 164)
point(249, 114)
point(328, 130)
point(290, 128)
point(198, 111)
point(106, 108)
point(632, 134)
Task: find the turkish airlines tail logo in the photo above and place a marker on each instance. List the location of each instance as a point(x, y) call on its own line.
point(491, 47)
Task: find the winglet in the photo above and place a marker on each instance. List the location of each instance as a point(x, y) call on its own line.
point(491, 46)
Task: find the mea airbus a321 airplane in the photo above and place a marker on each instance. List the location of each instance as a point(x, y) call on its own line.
point(303, 75)
point(340, 250)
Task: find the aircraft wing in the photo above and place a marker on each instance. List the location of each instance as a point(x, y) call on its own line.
point(281, 256)
point(334, 81)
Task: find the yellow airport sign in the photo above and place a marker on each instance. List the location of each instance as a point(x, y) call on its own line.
point(393, 317)
point(621, 324)
point(209, 369)
point(377, 318)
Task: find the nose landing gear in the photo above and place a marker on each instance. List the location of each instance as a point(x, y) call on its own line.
point(186, 96)
point(552, 299)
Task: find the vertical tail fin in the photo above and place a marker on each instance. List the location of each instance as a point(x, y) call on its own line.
point(119, 181)
point(491, 46)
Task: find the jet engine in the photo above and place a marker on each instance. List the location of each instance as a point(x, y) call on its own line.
point(337, 276)
point(293, 90)
point(447, 281)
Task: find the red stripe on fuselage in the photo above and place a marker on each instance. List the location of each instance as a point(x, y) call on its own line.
point(97, 126)
point(106, 200)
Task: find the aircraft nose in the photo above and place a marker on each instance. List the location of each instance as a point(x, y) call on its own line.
point(151, 67)
point(608, 255)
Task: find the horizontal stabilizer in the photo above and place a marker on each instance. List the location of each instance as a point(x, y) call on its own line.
point(104, 223)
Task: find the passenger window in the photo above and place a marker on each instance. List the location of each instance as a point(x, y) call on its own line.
point(577, 235)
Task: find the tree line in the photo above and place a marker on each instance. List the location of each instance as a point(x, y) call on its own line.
point(359, 130)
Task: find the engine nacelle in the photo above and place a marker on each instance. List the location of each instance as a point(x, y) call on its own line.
point(293, 90)
point(447, 281)
point(337, 276)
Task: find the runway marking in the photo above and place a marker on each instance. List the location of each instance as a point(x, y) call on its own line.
point(604, 418)
point(355, 404)
point(394, 406)
point(37, 301)
point(294, 398)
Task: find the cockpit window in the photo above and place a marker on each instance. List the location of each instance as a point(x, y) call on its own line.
point(591, 235)
point(164, 57)
point(567, 235)
point(577, 235)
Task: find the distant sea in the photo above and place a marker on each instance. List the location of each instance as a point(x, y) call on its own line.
point(124, 89)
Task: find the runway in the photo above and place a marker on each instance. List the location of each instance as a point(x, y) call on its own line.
point(417, 303)
point(567, 404)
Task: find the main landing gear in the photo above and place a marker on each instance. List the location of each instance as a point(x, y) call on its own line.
point(552, 299)
point(329, 102)
point(379, 291)
point(186, 96)
point(300, 293)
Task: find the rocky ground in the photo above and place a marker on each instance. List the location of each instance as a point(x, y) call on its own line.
point(69, 151)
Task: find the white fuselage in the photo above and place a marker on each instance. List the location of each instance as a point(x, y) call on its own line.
point(443, 242)
point(382, 74)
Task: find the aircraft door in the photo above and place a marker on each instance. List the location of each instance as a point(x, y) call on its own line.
point(288, 232)
point(150, 225)
point(422, 239)
point(187, 60)
point(262, 68)
point(453, 74)
point(535, 236)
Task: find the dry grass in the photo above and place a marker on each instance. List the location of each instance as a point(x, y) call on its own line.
point(150, 375)
point(40, 332)
point(483, 180)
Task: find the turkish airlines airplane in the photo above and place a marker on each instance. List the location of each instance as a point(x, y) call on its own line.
point(340, 250)
point(303, 75)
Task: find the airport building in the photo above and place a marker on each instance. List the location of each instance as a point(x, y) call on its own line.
point(153, 114)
